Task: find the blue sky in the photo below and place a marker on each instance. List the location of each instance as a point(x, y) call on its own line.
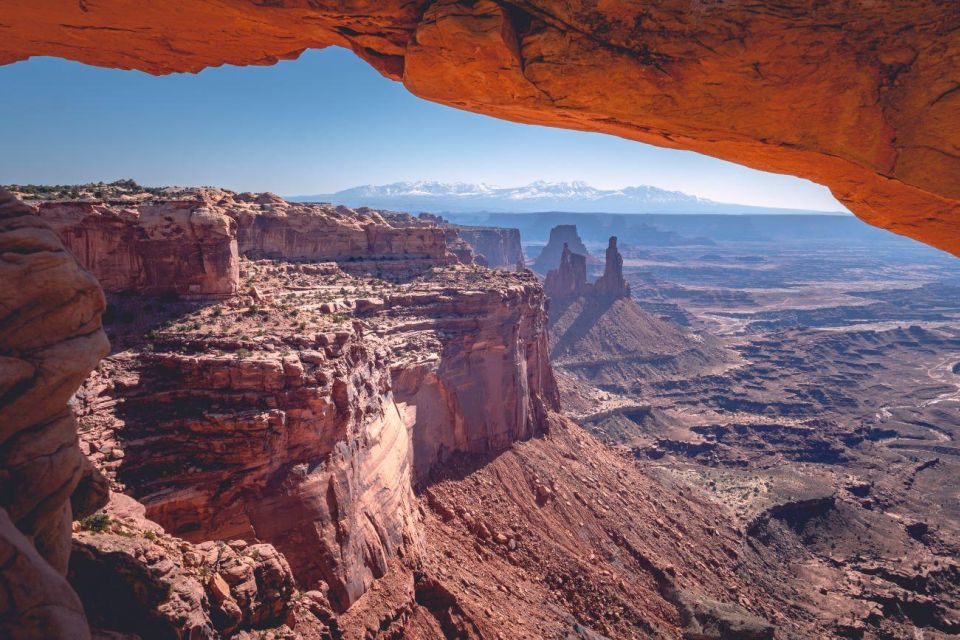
point(319, 124)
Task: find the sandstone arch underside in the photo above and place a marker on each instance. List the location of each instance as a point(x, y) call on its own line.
point(863, 97)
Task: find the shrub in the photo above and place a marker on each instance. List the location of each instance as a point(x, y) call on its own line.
point(97, 523)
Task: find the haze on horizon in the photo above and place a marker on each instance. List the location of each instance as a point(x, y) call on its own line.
point(321, 124)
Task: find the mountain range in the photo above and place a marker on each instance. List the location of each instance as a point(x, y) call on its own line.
point(576, 197)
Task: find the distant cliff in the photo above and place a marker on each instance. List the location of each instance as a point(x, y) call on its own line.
point(560, 236)
point(499, 246)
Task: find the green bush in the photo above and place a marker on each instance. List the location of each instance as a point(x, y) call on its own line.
point(97, 523)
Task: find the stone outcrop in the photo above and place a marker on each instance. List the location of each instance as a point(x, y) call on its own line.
point(611, 284)
point(311, 437)
point(185, 246)
point(305, 450)
point(569, 279)
point(190, 245)
point(134, 578)
point(861, 98)
point(269, 227)
point(50, 338)
point(498, 246)
point(562, 235)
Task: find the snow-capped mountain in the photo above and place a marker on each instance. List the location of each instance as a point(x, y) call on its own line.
point(574, 197)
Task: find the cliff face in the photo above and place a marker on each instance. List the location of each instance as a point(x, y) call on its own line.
point(499, 247)
point(185, 247)
point(269, 227)
point(191, 246)
point(50, 339)
point(311, 437)
point(859, 97)
point(492, 384)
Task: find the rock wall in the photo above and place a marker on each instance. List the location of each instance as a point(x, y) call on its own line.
point(50, 339)
point(860, 97)
point(491, 385)
point(269, 227)
point(312, 440)
point(181, 246)
point(191, 246)
point(500, 247)
point(306, 451)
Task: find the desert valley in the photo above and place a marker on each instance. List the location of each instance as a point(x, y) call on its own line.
point(642, 323)
point(321, 422)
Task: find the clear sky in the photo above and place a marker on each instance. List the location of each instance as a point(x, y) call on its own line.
point(319, 124)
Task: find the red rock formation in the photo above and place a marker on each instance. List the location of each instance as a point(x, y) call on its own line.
point(860, 97)
point(570, 278)
point(191, 246)
point(611, 284)
point(269, 227)
point(50, 339)
point(492, 345)
point(562, 235)
point(312, 440)
point(134, 578)
point(305, 451)
point(184, 247)
point(498, 246)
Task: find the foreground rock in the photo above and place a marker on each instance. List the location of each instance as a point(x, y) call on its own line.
point(134, 578)
point(50, 339)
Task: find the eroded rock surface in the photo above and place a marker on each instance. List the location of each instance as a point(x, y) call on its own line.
point(859, 97)
point(50, 339)
point(499, 247)
point(310, 409)
point(189, 245)
point(185, 247)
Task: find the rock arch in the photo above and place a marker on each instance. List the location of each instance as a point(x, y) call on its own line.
point(860, 96)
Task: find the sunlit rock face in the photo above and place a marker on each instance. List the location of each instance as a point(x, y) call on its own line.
point(860, 97)
point(181, 247)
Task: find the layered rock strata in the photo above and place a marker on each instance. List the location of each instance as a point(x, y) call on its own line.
point(498, 246)
point(190, 245)
point(135, 578)
point(181, 246)
point(310, 436)
point(50, 339)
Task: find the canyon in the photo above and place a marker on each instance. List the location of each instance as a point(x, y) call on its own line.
point(809, 386)
point(406, 468)
point(372, 438)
